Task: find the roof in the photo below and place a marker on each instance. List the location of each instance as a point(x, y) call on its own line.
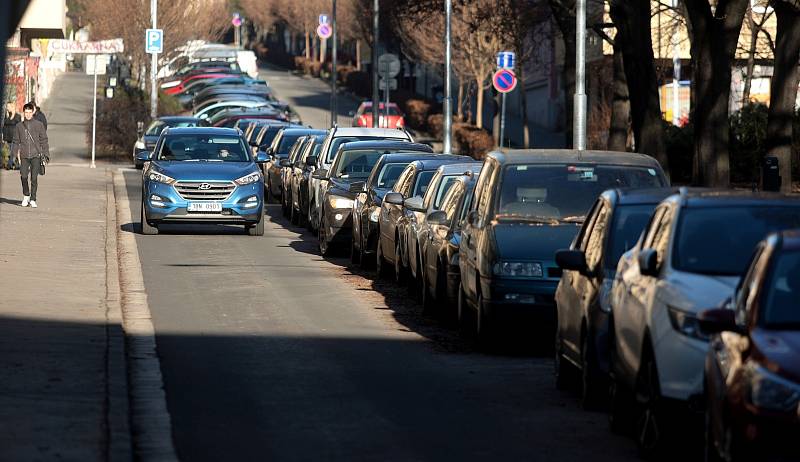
point(636, 196)
point(201, 131)
point(438, 160)
point(387, 145)
point(359, 131)
point(178, 119)
point(303, 131)
point(703, 197)
point(461, 167)
point(546, 156)
point(382, 104)
point(790, 239)
point(406, 157)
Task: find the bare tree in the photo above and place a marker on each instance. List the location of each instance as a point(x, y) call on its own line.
point(755, 22)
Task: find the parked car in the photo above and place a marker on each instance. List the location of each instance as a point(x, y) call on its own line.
point(148, 138)
point(190, 79)
point(528, 204)
point(227, 118)
point(416, 228)
point(279, 150)
point(690, 257)
point(583, 294)
point(396, 212)
point(363, 116)
point(367, 203)
point(287, 170)
point(301, 177)
point(336, 137)
point(210, 110)
point(438, 239)
point(752, 370)
point(202, 175)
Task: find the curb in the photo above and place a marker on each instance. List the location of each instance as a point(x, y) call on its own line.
point(151, 426)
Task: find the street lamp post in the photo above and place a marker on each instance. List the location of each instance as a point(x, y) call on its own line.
point(376, 97)
point(579, 120)
point(334, 110)
point(153, 67)
point(448, 98)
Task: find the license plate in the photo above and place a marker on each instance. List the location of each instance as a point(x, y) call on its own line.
point(204, 207)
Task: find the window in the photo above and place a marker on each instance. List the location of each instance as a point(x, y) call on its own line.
point(401, 182)
point(422, 181)
point(661, 238)
point(743, 297)
point(583, 234)
point(389, 175)
point(451, 200)
point(594, 243)
point(629, 221)
point(652, 227)
point(337, 142)
point(481, 189)
point(355, 164)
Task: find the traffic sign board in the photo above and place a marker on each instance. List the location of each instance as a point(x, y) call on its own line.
point(323, 19)
point(324, 31)
point(504, 80)
point(506, 59)
point(391, 83)
point(388, 65)
point(236, 20)
point(154, 41)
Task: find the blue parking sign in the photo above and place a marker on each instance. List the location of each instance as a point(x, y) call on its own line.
point(154, 41)
point(505, 60)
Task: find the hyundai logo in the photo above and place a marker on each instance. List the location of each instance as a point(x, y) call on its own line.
point(204, 186)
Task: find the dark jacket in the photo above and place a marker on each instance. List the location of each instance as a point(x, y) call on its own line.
point(8, 126)
point(39, 115)
point(30, 139)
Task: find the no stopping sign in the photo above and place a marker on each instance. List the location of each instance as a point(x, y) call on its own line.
point(504, 80)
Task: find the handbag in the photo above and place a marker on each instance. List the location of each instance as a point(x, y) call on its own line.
point(42, 162)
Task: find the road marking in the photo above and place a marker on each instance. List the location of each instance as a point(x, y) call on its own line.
point(150, 420)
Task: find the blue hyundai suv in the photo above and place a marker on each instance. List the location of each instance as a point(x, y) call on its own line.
point(202, 175)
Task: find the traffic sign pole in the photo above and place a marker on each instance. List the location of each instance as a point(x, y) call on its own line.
point(334, 110)
point(579, 103)
point(448, 97)
point(153, 66)
point(94, 114)
point(376, 97)
point(503, 120)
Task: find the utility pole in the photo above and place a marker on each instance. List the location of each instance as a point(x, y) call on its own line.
point(153, 67)
point(448, 72)
point(334, 110)
point(579, 122)
point(376, 97)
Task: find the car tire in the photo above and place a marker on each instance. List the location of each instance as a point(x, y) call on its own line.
point(145, 227)
point(381, 266)
point(562, 369)
point(400, 275)
point(355, 256)
point(592, 390)
point(620, 409)
point(309, 218)
point(484, 328)
point(364, 260)
point(427, 300)
point(463, 312)
point(651, 423)
point(256, 229)
point(324, 248)
point(284, 206)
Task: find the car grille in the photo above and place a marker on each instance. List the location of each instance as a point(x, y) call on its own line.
point(205, 190)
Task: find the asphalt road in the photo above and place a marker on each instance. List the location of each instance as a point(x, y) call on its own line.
point(270, 352)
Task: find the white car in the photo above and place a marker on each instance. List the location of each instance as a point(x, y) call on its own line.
point(336, 137)
point(690, 258)
point(208, 111)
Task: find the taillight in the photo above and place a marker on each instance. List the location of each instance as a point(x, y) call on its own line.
point(362, 121)
point(399, 123)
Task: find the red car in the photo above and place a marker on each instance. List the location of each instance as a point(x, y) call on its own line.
point(187, 80)
point(363, 117)
point(752, 370)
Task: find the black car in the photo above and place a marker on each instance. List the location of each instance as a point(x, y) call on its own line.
point(582, 297)
point(279, 150)
point(367, 206)
point(234, 91)
point(528, 204)
point(440, 242)
point(413, 182)
point(287, 171)
point(300, 176)
point(147, 139)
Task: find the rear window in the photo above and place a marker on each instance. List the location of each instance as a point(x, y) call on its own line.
point(356, 164)
point(337, 142)
point(444, 186)
point(720, 241)
point(629, 222)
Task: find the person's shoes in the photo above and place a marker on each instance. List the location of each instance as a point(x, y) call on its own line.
point(25, 201)
point(33, 204)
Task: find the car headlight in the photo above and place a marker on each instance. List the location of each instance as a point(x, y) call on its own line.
point(686, 323)
point(248, 179)
point(160, 177)
point(140, 145)
point(375, 214)
point(771, 392)
point(338, 202)
point(518, 269)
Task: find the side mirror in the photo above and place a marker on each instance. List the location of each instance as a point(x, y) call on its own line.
point(474, 220)
point(414, 203)
point(648, 262)
point(437, 218)
point(357, 186)
point(394, 198)
point(321, 174)
point(144, 156)
point(311, 160)
point(285, 163)
point(572, 260)
point(261, 157)
point(717, 320)
point(253, 143)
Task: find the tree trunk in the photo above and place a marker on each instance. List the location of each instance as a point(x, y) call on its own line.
point(460, 110)
point(358, 55)
point(526, 131)
point(497, 108)
point(308, 45)
point(564, 13)
point(751, 57)
point(620, 105)
point(479, 103)
point(713, 37)
point(323, 49)
point(783, 92)
point(632, 19)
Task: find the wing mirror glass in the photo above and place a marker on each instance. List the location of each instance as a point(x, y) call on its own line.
point(261, 157)
point(144, 156)
point(414, 203)
point(394, 198)
point(648, 262)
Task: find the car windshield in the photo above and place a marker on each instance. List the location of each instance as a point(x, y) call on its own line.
point(389, 175)
point(158, 126)
point(355, 164)
point(564, 192)
point(444, 186)
point(423, 180)
point(206, 148)
point(337, 142)
point(720, 241)
point(629, 222)
point(781, 310)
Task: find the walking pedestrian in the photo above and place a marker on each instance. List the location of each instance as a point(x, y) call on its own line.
point(38, 114)
point(30, 146)
point(12, 118)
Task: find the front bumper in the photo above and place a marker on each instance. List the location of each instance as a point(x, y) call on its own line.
point(236, 209)
point(339, 225)
point(514, 298)
point(680, 359)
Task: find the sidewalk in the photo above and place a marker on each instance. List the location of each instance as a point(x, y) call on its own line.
point(62, 370)
point(68, 110)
